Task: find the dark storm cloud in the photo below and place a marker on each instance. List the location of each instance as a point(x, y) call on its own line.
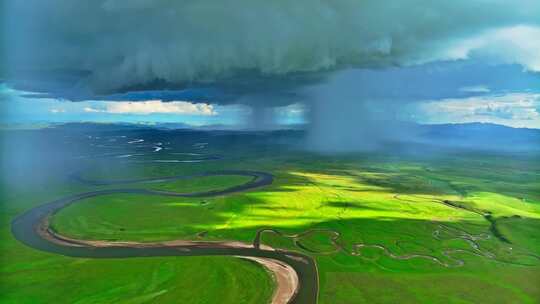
point(455, 79)
point(243, 48)
point(352, 64)
point(249, 88)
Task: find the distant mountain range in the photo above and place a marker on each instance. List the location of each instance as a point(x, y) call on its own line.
point(480, 135)
point(483, 136)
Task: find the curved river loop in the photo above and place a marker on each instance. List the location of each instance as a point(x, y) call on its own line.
point(295, 273)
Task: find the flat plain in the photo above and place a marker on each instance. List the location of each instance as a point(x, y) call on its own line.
point(441, 226)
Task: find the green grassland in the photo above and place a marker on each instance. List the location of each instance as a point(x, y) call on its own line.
point(30, 276)
point(341, 210)
point(137, 280)
point(380, 201)
point(196, 184)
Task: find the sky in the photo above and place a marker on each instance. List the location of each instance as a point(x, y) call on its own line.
point(330, 66)
point(19, 109)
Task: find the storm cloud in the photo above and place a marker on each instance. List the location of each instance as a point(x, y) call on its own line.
point(115, 44)
point(352, 64)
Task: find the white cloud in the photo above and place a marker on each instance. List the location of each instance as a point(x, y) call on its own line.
point(295, 109)
point(292, 114)
point(515, 109)
point(475, 89)
point(517, 44)
point(154, 107)
point(56, 111)
point(91, 110)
